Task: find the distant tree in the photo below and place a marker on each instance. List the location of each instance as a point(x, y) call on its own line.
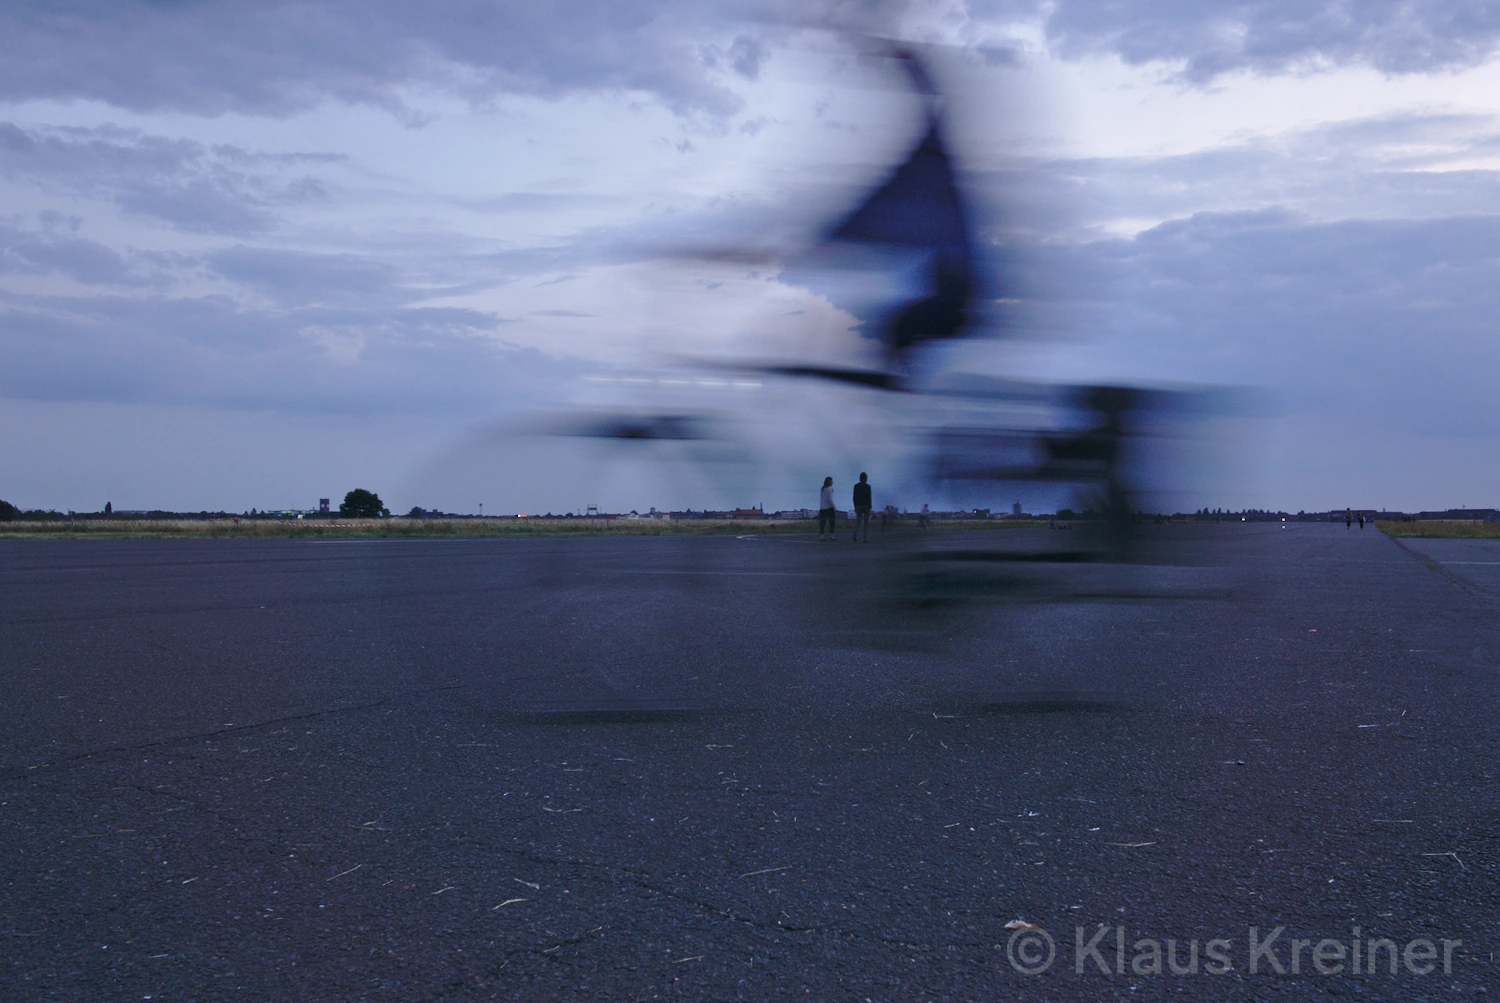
point(109, 508)
point(8, 512)
point(417, 512)
point(362, 504)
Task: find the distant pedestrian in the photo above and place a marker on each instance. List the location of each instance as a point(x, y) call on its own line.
point(1361, 520)
point(862, 507)
point(827, 514)
point(1348, 518)
point(922, 519)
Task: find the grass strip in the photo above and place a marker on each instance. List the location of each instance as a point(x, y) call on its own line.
point(1443, 529)
point(399, 528)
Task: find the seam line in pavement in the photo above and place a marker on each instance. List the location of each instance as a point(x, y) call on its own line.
point(154, 743)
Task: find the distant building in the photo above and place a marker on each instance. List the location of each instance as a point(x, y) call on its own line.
point(1462, 515)
point(1015, 508)
point(323, 506)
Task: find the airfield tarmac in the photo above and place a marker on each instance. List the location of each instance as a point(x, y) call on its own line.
point(668, 768)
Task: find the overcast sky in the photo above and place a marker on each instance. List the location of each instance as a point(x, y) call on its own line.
point(255, 254)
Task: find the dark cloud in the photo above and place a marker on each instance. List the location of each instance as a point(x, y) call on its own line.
point(192, 186)
point(1357, 323)
point(200, 204)
point(45, 251)
point(294, 330)
point(213, 352)
point(1270, 36)
point(279, 56)
point(296, 279)
point(745, 56)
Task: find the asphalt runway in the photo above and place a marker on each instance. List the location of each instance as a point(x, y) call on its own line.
point(721, 769)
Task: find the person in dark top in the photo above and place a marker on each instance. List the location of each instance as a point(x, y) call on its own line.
point(826, 511)
point(862, 507)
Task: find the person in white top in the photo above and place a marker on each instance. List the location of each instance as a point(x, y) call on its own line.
point(826, 512)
